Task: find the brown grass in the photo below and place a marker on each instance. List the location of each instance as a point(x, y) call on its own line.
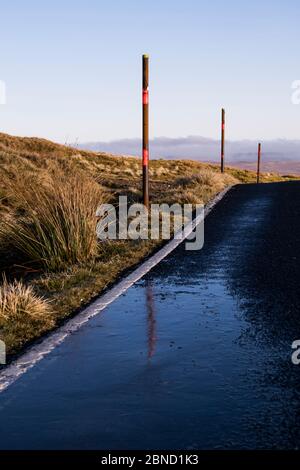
point(57, 224)
point(23, 314)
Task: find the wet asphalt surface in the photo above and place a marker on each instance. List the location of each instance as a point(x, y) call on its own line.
point(197, 355)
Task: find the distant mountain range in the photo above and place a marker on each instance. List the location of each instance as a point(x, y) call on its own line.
point(201, 148)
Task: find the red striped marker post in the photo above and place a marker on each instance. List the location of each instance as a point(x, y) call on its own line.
point(258, 163)
point(222, 140)
point(146, 130)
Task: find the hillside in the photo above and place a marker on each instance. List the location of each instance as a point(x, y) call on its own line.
point(30, 156)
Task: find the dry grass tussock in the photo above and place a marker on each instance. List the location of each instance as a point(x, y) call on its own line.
point(200, 187)
point(54, 223)
point(23, 314)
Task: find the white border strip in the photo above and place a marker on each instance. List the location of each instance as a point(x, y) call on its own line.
point(38, 351)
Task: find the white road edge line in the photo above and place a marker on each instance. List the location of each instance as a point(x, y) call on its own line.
point(36, 352)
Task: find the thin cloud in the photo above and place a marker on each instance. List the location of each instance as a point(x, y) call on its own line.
point(201, 148)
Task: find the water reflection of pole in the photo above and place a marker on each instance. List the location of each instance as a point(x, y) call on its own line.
point(151, 321)
point(258, 163)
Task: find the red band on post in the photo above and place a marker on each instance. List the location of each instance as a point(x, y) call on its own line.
point(145, 157)
point(223, 126)
point(145, 97)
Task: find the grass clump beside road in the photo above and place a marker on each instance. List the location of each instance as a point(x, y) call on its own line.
point(49, 252)
point(54, 223)
point(21, 312)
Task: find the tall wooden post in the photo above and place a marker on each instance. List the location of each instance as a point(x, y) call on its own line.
point(222, 140)
point(146, 130)
point(258, 162)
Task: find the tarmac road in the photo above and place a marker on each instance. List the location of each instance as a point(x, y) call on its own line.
point(197, 355)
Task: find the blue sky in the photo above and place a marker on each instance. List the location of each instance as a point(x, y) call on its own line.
point(73, 68)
